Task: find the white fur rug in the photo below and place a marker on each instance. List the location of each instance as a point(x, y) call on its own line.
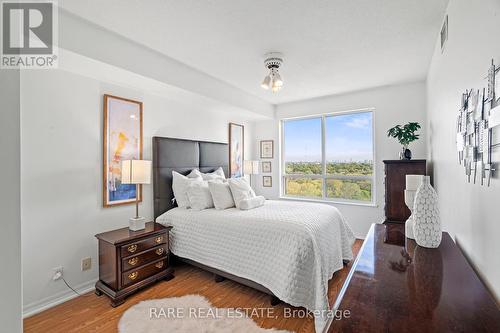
point(191, 313)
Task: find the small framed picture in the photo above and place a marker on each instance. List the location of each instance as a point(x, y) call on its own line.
point(267, 149)
point(266, 167)
point(267, 181)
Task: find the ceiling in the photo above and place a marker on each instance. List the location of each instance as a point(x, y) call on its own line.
point(330, 47)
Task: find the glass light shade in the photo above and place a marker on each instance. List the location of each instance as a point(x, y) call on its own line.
point(136, 172)
point(251, 167)
point(266, 84)
point(275, 88)
point(277, 80)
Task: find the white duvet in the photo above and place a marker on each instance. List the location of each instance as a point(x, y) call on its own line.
point(291, 248)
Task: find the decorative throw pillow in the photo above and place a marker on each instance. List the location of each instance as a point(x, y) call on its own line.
point(252, 203)
point(199, 195)
point(219, 173)
point(195, 173)
point(240, 190)
point(221, 194)
point(180, 185)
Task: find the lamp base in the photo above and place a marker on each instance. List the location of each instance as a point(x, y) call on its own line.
point(137, 223)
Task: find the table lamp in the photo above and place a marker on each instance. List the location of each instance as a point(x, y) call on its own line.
point(413, 182)
point(251, 168)
point(136, 172)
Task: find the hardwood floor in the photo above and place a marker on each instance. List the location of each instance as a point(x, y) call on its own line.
point(90, 313)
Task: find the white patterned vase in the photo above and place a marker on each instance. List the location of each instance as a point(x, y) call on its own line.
point(426, 222)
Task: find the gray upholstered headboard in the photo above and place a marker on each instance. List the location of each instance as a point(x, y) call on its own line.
point(181, 155)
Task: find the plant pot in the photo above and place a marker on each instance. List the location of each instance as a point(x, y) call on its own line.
point(405, 154)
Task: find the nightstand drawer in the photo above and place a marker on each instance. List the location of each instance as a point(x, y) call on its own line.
point(142, 245)
point(134, 261)
point(134, 276)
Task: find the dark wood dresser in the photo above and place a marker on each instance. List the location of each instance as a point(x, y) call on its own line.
point(395, 184)
point(130, 260)
point(396, 286)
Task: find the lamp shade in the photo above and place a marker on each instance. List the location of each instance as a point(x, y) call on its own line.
point(136, 172)
point(413, 182)
point(251, 167)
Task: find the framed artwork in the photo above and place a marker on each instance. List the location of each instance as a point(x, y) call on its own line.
point(266, 167)
point(444, 33)
point(267, 149)
point(122, 140)
point(267, 181)
point(491, 82)
point(236, 150)
point(497, 86)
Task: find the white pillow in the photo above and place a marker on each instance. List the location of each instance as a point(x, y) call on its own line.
point(195, 173)
point(240, 190)
point(180, 185)
point(221, 194)
point(219, 173)
point(252, 203)
point(199, 195)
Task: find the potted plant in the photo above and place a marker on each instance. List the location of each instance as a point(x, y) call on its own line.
point(405, 135)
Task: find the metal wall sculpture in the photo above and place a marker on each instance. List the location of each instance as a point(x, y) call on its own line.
point(478, 115)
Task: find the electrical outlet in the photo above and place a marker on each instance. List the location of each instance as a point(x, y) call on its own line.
point(86, 264)
point(58, 273)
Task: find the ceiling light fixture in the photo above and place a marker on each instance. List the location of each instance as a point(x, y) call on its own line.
point(273, 61)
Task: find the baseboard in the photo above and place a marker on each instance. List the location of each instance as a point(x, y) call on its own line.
point(61, 297)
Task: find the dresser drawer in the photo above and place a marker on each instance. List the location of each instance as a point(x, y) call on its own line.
point(142, 245)
point(134, 276)
point(134, 261)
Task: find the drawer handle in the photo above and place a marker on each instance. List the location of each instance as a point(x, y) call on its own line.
point(158, 239)
point(133, 261)
point(160, 251)
point(133, 276)
point(159, 264)
point(132, 248)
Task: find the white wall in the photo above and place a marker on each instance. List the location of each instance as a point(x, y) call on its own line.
point(62, 171)
point(393, 105)
point(10, 204)
point(470, 213)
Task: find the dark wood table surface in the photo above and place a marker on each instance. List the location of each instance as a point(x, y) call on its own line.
point(126, 235)
point(397, 286)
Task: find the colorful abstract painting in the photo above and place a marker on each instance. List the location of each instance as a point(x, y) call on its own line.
point(122, 141)
point(236, 150)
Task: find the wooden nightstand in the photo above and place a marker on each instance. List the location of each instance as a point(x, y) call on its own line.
point(130, 260)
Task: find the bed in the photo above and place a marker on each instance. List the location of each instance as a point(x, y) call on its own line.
point(286, 249)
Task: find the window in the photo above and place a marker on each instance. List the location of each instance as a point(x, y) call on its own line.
point(329, 157)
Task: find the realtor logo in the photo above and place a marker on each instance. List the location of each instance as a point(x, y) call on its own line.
point(29, 34)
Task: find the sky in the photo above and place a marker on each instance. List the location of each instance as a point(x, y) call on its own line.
point(348, 138)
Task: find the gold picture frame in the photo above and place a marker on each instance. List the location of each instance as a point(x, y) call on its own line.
point(236, 150)
point(122, 140)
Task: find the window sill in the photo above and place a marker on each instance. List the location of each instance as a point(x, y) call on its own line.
point(330, 201)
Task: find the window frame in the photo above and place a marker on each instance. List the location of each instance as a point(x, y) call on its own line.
point(324, 176)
